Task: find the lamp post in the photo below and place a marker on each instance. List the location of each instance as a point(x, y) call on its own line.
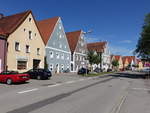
point(85, 33)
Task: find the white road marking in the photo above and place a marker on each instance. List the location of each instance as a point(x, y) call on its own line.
point(69, 82)
point(27, 91)
point(81, 79)
point(54, 85)
point(141, 89)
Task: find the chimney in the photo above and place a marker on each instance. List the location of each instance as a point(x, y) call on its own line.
point(1, 15)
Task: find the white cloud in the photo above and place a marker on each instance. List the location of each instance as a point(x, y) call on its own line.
point(126, 41)
point(120, 50)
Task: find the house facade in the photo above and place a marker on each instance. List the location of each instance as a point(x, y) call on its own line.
point(58, 53)
point(24, 42)
point(125, 62)
point(3, 51)
point(102, 49)
point(119, 59)
point(78, 49)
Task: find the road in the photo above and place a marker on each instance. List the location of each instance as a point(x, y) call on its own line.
point(116, 93)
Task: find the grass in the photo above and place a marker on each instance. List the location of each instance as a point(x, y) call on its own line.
point(96, 74)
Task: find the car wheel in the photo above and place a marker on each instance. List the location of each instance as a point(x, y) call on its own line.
point(9, 81)
point(39, 77)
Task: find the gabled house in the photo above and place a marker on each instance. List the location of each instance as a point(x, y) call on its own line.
point(132, 61)
point(56, 45)
point(24, 42)
point(3, 50)
point(78, 49)
point(125, 62)
point(119, 59)
point(102, 49)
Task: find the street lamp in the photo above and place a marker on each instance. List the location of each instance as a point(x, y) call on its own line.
point(85, 33)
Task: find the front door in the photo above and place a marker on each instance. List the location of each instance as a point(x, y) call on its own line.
point(36, 63)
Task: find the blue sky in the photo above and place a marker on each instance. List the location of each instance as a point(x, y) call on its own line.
point(117, 21)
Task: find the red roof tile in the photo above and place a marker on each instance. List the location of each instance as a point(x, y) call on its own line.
point(9, 24)
point(130, 58)
point(46, 27)
point(73, 38)
point(97, 46)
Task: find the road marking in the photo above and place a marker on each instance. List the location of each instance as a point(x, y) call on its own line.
point(69, 82)
point(26, 91)
point(54, 85)
point(141, 89)
point(81, 79)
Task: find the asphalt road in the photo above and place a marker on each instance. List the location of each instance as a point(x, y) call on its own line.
point(116, 93)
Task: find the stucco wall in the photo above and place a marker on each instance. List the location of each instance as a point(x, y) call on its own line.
point(2, 53)
point(80, 54)
point(21, 35)
point(58, 44)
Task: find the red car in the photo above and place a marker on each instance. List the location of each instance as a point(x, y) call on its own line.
point(10, 77)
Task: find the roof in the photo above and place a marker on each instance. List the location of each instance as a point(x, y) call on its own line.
point(8, 24)
point(124, 59)
point(96, 46)
point(46, 27)
point(130, 58)
point(73, 38)
point(116, 57)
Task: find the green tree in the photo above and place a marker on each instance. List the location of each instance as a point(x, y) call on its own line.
point(93, 58)
point(115, 64)
point(143, 45)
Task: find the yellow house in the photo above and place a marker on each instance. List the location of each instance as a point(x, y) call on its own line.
point(140, 64)
point(26, 49)
point(119, 59)
point(125, 62)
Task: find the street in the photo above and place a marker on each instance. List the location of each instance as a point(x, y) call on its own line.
point(123, 92)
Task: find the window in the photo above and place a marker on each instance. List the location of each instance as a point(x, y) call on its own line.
point(62, 67)
point(24, 29)
point(51, 54)
point(35, 34)
point(62, 56)
point(21, 65)
point(38, 51)
point(51, 67)
point(80, 58)
point(67, 57)
point(30, 34)
point(17, 46)
point(27, 49)
point(57, 55)
point(59, 26)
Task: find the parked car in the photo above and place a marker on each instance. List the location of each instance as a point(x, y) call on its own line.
point(98, 70)
point(39, 74)
point(83, 71)
point(146, 70)
point(66, 71)
point(10, 77)
point(109, 70)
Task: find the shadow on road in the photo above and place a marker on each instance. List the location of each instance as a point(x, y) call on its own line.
point(130, 75)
